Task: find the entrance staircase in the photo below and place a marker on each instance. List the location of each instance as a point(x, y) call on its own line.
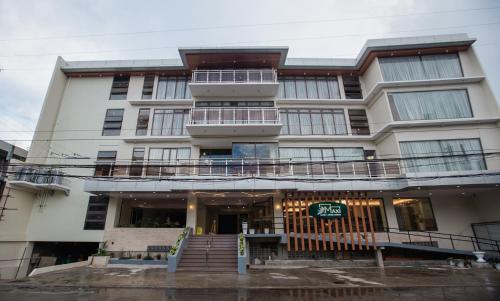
point(210, 253)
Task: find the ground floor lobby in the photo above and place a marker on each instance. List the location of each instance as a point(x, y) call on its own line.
point(135, 221)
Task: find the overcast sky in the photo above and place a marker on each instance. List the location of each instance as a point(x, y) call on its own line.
point(33, 33)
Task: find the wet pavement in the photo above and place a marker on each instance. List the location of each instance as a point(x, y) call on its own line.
point(397, 283)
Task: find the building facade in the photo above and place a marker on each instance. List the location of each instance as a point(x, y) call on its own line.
point(131, 152)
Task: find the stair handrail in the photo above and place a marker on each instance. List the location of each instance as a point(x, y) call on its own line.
point(474, 240)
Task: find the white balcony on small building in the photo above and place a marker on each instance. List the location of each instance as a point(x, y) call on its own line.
point(40, 179)
point(205, 122)
point(250, 82)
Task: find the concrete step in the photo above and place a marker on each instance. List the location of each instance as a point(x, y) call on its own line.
point(208, 264)
point(207, 270)
point(212, 251)
point(203, 260)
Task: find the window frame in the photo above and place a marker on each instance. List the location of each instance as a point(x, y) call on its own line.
point(396, 116)
point(112, 123)
point(116, 84)
point(94, 221)
point(401, 227)
point(139, 127)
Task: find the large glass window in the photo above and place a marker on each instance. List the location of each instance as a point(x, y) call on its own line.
point(429, 105)
point(151, 213)
point(165, 161)
point(434, 66)
point(171, 87)
point(322, 154)
point(309, 87)
point(112, 122)
point(414, 214)
point(170, 122)
point(443, 155)
point(313, 122)
point(147, 87)
point(254, 150)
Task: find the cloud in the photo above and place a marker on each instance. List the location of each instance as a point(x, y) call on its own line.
point(22, 88)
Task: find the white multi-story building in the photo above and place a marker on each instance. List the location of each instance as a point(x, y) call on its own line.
point(131, 152)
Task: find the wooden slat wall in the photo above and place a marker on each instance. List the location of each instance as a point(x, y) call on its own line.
point(307, 233)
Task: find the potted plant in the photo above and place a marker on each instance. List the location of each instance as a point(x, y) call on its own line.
point(252, 231)
point(158, 256)
point(244, 227)
point(102, 256)
point(147, 257)
point(460, 263)
point(451, 261)
point(266, 230)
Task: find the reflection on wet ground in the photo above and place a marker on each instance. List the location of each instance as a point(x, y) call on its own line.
point(352, 293)
point(141, 283)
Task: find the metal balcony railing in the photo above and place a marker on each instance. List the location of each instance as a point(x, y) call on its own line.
point(235, 76)
point(234, 116)
point(250, 168)
point(41, 176)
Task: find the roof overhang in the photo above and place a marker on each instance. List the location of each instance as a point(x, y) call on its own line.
point(273, 57)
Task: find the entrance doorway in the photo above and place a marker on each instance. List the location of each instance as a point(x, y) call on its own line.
point(228, 224)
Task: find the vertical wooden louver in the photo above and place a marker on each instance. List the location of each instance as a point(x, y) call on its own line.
point(304, 232)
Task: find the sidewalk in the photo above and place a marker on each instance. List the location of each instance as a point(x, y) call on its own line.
point(153, 277)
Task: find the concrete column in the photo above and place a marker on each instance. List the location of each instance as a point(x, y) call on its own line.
point(113, 213)
point(278, 213)
point(201, 217)
point(390, 213)
point(379, 258)
point(341, 86)
point(192, 205)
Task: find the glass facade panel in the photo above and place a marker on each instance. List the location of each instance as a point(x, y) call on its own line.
point(313, 122)
point(414, 214)
point(170, 122)
point(423, 67)
point(309, 87)
point(171, 87)
point(443, 155)
point(430, 105)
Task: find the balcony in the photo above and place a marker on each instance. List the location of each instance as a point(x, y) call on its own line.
point(234, 122)
point(252, 168)
point(261, 174)
point(39, 179)
point(251, 82)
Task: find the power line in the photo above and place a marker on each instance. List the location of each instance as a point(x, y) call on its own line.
point(247, 42)
point(413, 14)
point(188, 163)
point(106, 138)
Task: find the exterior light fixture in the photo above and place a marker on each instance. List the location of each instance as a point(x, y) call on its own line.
point(278, 206)
point(191, 207)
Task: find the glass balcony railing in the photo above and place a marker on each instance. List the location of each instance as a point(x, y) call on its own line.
point(205, 116)
point(235, 76)
point(251, 167)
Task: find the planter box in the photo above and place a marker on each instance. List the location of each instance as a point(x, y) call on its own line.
point(100, 261)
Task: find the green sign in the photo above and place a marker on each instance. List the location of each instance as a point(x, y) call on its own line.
point(328, 210)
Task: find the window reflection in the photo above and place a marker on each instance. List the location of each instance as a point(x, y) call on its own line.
point(414, 215)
